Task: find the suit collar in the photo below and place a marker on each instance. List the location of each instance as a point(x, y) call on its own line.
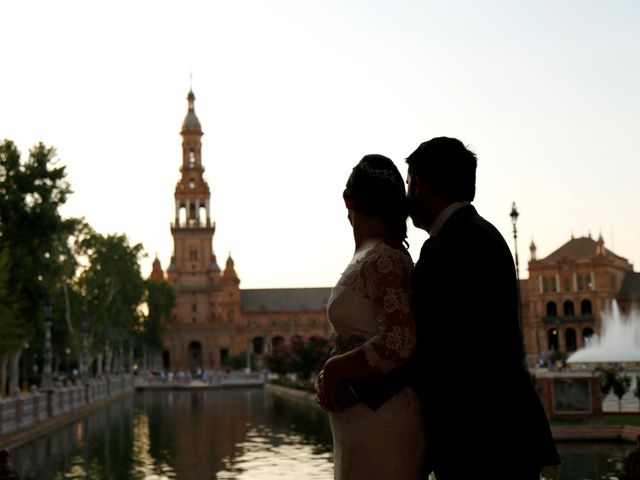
point(451, 212)
point(457, 216)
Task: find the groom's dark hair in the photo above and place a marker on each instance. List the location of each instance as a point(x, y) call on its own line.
point(447, 167)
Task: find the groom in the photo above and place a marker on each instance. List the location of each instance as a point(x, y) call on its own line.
point(482, 415)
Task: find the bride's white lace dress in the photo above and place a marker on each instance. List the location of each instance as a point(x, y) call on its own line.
point(369, 307)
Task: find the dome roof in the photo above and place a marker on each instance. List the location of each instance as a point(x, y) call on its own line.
point(191, 122)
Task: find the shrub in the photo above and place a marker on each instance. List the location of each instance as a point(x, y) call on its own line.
point(303, 357)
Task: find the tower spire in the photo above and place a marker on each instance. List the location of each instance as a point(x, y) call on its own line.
point(533, 249)
point(192, 228)
point(192, 192)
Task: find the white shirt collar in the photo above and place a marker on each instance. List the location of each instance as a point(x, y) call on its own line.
point(444, 215)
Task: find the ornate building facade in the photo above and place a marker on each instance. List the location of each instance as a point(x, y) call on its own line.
point(214, 319)
point(563, 299)
point(567, 293)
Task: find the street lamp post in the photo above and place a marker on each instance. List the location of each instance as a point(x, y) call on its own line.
point(25, 360)
point(47, 380)
point(121, 361)
point(67, 352)
point(249, 353)
point(130, 361)
point(514, 220)
point(120, 356)
point(107, 354)
point(107, 359)
point(84, 369)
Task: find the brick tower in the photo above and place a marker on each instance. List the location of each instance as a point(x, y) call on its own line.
point(194, 271)
point(214, 322)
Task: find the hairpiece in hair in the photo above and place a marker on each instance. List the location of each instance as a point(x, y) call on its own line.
point(384, 174)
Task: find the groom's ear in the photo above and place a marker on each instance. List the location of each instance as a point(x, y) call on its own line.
point(413, 186)
point(349, 204)
point(417, 185)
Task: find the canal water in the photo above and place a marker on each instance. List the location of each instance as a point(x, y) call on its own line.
point(225, 434)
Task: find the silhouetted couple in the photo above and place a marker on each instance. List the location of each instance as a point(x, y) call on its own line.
point(428, 369)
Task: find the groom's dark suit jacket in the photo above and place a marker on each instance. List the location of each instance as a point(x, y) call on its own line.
point(477, 396)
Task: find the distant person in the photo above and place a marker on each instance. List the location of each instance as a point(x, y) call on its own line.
point(375, 333)
point(482, 415)
point(7, 472)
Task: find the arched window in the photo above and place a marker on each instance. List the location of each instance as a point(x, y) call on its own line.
point(585, 307)
point(166, 360)
point(224, 357)
point(277, 342)
point(587, 333)
point(552, 309)
point(192, 159)
point(195, 356)
point(567, 308)
point(552, 335)
point(570, 340)
point(192, 214)
point(258, 345)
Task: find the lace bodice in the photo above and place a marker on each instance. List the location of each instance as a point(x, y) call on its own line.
point(369, 306)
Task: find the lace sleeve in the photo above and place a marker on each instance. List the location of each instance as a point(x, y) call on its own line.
point(387, 280)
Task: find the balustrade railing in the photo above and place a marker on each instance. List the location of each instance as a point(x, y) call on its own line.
point(25, 409)
point(213, 378)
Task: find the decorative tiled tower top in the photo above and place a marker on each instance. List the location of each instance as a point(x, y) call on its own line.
point(192, 228)
point(192, 191)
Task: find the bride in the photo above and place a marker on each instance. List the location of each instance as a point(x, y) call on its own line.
point(374, 333)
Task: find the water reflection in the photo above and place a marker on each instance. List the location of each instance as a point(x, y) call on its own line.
point(186, 435)
point(589, 461)
point(224, 434)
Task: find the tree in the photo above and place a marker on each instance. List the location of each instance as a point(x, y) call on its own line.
point(614, 380)
point(621, 385)
point(279, 361)
point(31, 194)
point(113, 289)
point(239, 361)
point(70, 251)
point(607, 376)
point(309, 356)
point(13, 333)
point(160, 298)
point(302, 357)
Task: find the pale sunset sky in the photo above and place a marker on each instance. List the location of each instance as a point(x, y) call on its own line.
point(291, 94)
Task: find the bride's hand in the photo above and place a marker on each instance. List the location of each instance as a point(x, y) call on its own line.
point(318, 386)
point(329, 380)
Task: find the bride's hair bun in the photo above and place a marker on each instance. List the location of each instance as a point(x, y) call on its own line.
point(376, 189)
